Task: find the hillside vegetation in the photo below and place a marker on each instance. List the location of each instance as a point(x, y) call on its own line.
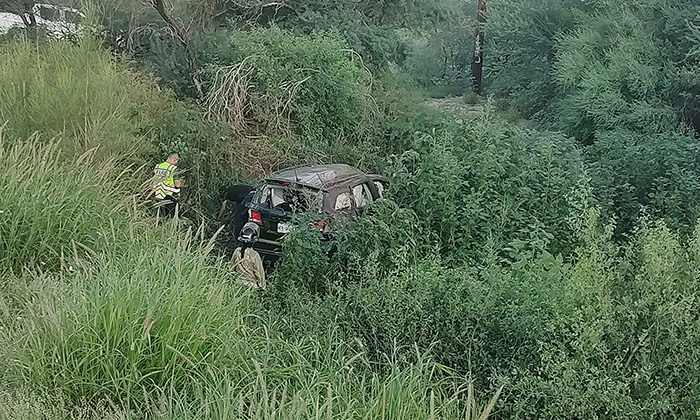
point(535, 257)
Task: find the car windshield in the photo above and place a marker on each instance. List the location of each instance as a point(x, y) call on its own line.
point(289, 198)
point(49, 13)
point(73, 17)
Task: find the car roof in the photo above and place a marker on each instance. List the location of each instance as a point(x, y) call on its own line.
point(317, 176)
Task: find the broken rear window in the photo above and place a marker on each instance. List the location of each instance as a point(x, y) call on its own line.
point(289, 199)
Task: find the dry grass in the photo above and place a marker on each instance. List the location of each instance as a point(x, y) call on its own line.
point(228, 100)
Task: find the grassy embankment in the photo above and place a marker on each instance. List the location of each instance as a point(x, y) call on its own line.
point(105, 314)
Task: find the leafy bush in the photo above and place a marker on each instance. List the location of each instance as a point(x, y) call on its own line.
point(628, 337)
point(636, 175)
point(311, 83)
point(441, 60)
point(624, 86)
point(607, 335)
point(608, 69)
point(488, 187)
point(521, 49)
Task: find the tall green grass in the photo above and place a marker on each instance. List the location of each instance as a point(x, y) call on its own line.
point(48, 207)
point(26, 404)
point(76, 92)
point(100, 306)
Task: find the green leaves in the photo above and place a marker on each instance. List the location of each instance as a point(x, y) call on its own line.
point(310, 85)
point(479, 190)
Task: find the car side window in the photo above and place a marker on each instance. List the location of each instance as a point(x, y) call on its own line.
point(380, 188)
point(343, 202)
point(362, 196)
point(49, 14)
point(72, 17)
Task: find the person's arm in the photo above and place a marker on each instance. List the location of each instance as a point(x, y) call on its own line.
point(260, 273)
point(222, 209)
point(236, 257)
point(176, 182)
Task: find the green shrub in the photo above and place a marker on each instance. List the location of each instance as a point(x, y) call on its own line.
point(480, 322)
point(521, 49)
point(608, 335)
point(608, 69)
point(636, 175)
point(623, 67)
point(312, 84)
point(441, 60)
point(630, 335)
point(490, 187)
point(305, 263)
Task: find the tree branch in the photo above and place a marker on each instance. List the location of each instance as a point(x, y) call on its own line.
point(181, 34)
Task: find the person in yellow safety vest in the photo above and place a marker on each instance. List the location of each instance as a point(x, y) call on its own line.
point(247, 261)
point(165, 188)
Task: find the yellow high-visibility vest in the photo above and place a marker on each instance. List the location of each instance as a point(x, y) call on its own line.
point(164, 184)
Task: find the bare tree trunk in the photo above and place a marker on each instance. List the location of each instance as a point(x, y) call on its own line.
point(181, 34)
point(133, 23)
point(478, 58)
point(24, 18)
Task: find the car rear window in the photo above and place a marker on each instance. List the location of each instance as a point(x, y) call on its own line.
point(289, 198)
point(48, 13)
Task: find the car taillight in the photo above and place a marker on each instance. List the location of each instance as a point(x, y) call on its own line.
point(255, 217)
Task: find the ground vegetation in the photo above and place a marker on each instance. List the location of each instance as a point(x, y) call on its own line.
point(534, 256)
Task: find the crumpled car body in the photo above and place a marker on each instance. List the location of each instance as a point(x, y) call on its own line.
point(331, 192)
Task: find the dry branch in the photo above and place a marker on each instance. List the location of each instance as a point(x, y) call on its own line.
point(283, 104)
point(228, 100)
point(180, 33)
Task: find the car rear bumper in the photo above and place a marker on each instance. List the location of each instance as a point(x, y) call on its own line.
point(269, 249)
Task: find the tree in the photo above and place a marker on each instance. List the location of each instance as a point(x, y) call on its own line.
point(478, 58)
point(181, 35)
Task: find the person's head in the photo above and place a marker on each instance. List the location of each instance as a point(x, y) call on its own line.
point(174, 159)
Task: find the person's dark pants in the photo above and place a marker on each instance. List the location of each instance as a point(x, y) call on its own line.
point(239, 219)
point(166, 208)
point(240, 215)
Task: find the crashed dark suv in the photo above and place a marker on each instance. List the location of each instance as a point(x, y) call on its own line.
point(334, 192)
